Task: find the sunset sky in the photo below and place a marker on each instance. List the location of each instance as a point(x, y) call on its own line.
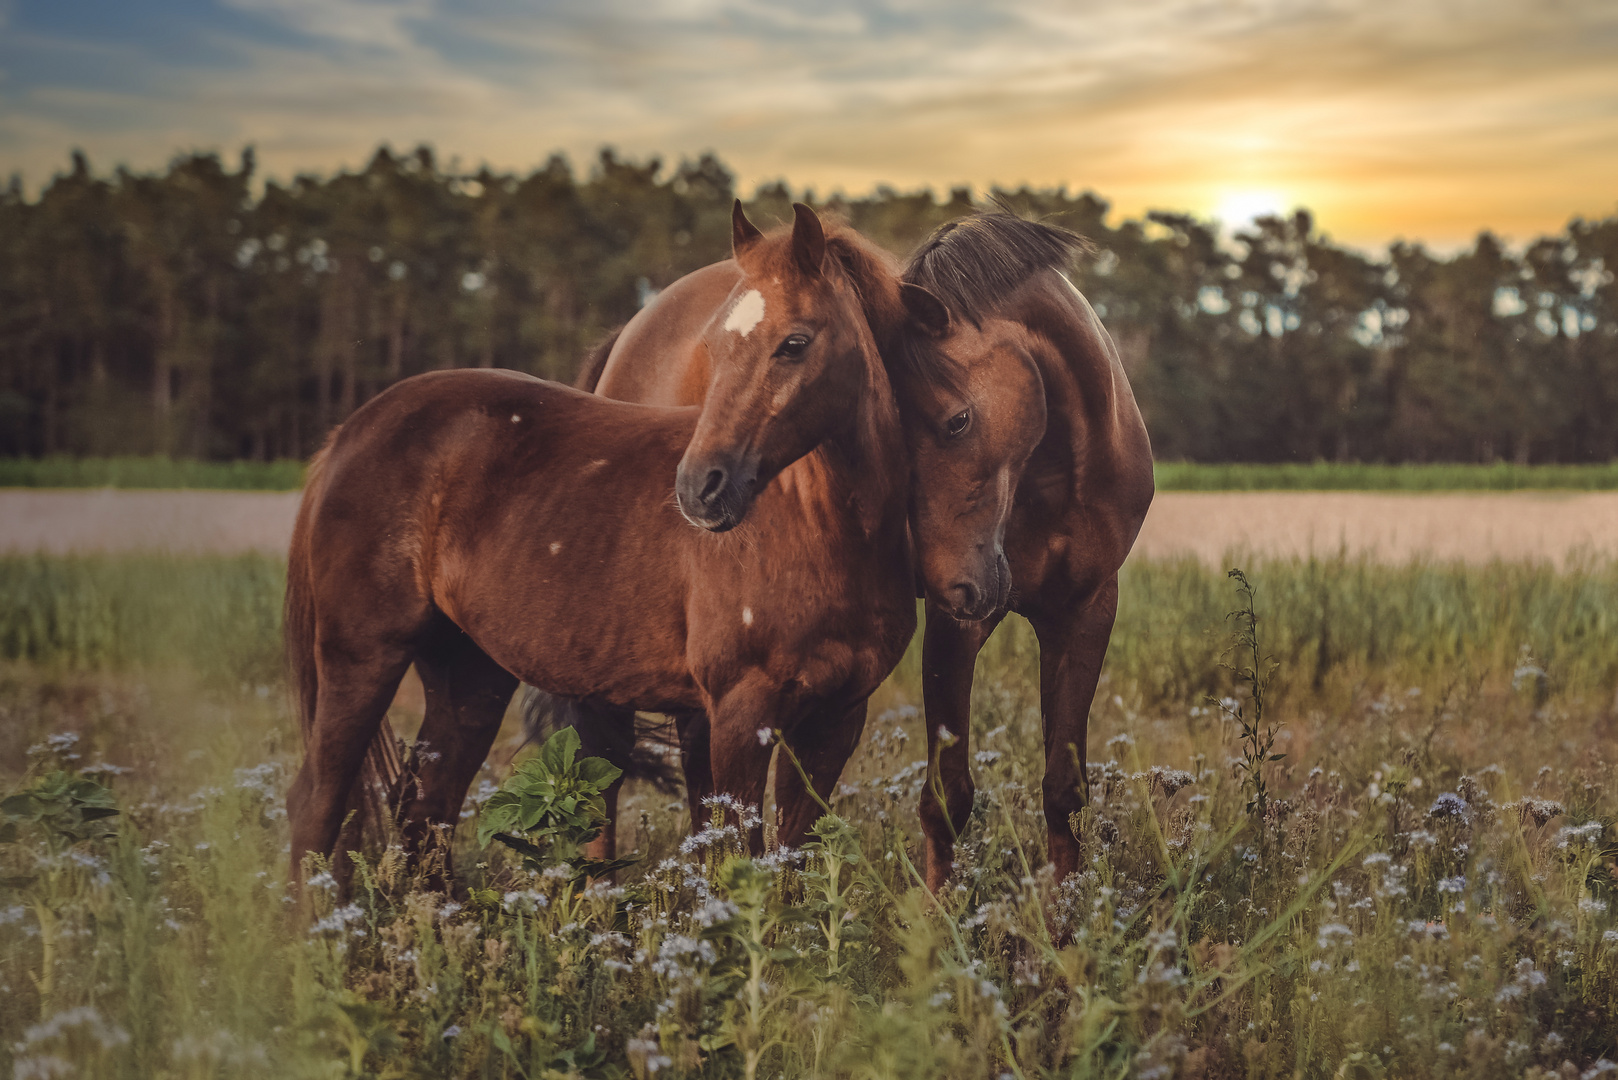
point(1421, 119)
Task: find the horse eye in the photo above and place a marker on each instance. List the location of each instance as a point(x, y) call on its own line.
point(793, 347)
point(959, 423)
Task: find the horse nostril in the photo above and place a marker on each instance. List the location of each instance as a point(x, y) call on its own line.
point(965, 596)
point(716, 480)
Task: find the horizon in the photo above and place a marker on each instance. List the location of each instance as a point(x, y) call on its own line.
point(454, 165)
point(1428, 123)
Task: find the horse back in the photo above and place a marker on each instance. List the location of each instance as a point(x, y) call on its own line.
point(658, 358)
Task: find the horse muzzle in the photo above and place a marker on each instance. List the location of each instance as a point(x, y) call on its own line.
point(982, 594)
point(717, 493)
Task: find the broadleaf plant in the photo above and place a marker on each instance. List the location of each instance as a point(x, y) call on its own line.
point(552, 806)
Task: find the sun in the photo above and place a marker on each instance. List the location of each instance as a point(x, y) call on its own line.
point(1240, 207)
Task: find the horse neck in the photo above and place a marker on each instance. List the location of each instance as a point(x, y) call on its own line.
point(868, 454)
point(874, 277)
point(1085, 385)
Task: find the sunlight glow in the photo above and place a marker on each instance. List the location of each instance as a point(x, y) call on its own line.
point(1238, 208)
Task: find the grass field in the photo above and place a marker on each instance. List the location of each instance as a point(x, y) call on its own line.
point(142, 472)
point(1427, 890)
point(1331, 476)
point(150, 472)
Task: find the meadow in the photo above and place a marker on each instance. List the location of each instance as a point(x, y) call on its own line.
point(287, 475)
point(1385, 848)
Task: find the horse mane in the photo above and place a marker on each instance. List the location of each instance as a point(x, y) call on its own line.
point(975, 263)
point(874, 275)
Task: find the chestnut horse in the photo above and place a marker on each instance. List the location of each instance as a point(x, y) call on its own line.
point(490, 527)
point(973, 411)
point(1077, 505)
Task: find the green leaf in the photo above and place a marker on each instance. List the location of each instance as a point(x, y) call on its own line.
point(498, 815)
point(601, 867)
point(559, 751)
point(517, 843)
point(599, 772)
point(21, 807)
point(530, 811)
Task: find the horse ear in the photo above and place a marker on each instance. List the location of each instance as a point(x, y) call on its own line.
point(808, 239)
point(743, 233)
point(926, 311)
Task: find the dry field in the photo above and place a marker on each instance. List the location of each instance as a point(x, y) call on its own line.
point(1394, 528)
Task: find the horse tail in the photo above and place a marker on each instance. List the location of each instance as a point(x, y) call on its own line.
point(298, 610)
point(379, 776)
point(644, 749)
point(595, 361)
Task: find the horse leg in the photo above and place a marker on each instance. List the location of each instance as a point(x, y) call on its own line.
point(605, 731)
point(696, 763)
point(740, 760)
point(356, 685)
point(467, 694)
point(823, 743)
point(949, 651)
point(1071, 649)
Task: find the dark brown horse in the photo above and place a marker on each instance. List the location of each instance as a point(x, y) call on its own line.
point(973, 407)
point(489, 527)
point(1076, 508)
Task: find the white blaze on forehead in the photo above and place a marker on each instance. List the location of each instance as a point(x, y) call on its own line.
point(747, 616)
point(747, 312)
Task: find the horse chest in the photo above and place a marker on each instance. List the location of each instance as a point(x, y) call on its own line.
point(825, 645)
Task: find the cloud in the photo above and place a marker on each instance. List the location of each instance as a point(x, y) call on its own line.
point(1429, 118)
point(375, 24)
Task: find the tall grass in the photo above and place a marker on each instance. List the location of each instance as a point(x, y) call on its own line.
point(1333, 624)
point(1428, 890)
point(219, 616)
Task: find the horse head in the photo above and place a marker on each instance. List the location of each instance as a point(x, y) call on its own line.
point(789, 354)
point(974, 407)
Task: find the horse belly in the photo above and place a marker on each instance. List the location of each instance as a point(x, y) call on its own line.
point(563, 654)
point(578, 627)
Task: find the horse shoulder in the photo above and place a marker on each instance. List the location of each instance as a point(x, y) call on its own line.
point(1091, 478)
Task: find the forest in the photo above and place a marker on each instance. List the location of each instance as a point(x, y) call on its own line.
point(197, 312)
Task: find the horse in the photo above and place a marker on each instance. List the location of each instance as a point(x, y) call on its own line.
point(973, 410)
point(1076, 499)
point(1079, 507)
point(490, 527)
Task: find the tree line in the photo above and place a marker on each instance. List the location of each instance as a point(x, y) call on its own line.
point(195, 313)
